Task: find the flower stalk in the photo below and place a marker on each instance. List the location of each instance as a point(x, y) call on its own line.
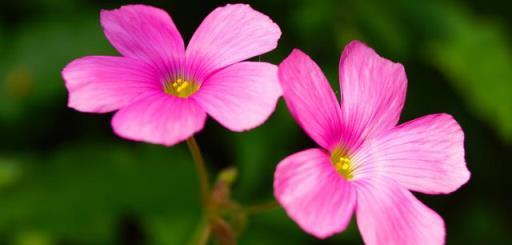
point(204, 182)
point(223, 218)
point(261, 207)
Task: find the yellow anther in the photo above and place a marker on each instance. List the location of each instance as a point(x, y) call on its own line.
point(184, 85)
point(344, 159)
point(342, 164)
point(180, 87)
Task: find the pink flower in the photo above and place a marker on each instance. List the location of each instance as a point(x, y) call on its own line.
point(163, 91)
point(365, 163)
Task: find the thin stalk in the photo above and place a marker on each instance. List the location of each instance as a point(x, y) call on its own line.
point(202, 233)
point(202, 173)
point(261, 208)
point(205, 235)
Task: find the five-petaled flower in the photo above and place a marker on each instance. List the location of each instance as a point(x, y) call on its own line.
point(365, 163)
point(162, 91)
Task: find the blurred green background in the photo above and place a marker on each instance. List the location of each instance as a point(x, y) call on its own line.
point(65, 178)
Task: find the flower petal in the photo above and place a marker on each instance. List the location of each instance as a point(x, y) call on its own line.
point(104, 84)
point(241, 96)
point(373, 93)
point(425, 154)
point(159, 119)
point(145, 33)
point(228, 35)
point(313, 194)
point(387, 213)
point(310, 99)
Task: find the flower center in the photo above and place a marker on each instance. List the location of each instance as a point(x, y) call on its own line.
point(180, 87)
point(342, 164)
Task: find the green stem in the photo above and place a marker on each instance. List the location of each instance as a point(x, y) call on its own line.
point(262, 207)
point(202, 233)
point(201, 170)
point(205, 235)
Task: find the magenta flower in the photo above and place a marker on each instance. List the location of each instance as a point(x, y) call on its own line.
point(163, 91)
point(366, 162)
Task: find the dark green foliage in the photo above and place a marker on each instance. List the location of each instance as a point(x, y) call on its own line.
point(66, 179)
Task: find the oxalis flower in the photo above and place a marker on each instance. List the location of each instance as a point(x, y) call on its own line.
point(163, 91)
point(366, 163)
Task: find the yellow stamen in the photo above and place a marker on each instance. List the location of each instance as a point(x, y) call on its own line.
point(342, 164)
point(180, 87)
point(183, 86)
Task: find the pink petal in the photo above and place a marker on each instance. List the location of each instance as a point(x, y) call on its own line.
point(313, 194)
point(310, 99)
point(387, 213)
point(228, 35)
point(425, 155)
point(373, 93)
point(145, 33)
point(159, 119)
point(104, 84)
point(241, 96)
